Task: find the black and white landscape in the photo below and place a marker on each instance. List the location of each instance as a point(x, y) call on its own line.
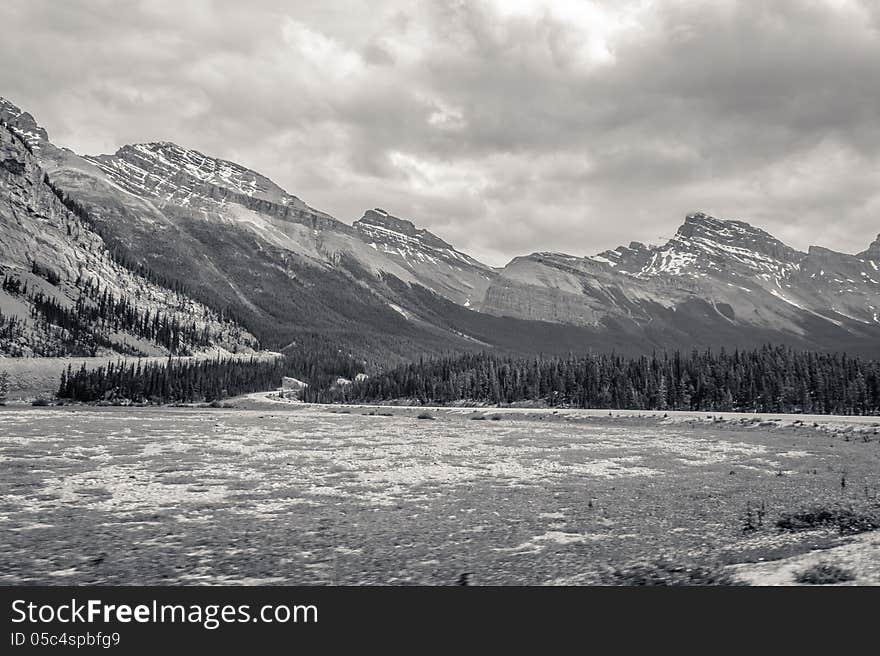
point(210, 378)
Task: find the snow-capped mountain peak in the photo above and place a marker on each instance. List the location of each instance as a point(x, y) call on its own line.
point(401, 238)
point(185, 176)
point(428, 259)
point(704, 243)
point(703, 228)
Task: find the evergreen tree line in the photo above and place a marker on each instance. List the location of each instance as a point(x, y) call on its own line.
point(113, 314)
point(44, 337)
point(770, 379)
point(11, 329)
point(87, 325)
point(189, 381)
point(184, 381)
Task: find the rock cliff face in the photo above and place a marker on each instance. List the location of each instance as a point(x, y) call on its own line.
point(24, 124)
point(873, 252)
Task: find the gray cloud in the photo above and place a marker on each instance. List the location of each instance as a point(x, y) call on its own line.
point(505, 127)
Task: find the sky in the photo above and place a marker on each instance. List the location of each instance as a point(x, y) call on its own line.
point(504, 126)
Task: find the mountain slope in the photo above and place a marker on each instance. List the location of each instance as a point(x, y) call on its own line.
point(64, 293)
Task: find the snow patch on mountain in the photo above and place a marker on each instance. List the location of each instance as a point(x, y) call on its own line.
point(23, 124)
point(184, 176)
point(402, 238)
point(705, 243)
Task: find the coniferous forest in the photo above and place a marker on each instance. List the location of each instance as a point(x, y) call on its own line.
point(86, 326)
point(189, 380)
point(184, 381)
point(771, 379)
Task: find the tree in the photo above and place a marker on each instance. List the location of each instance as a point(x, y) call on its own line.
point(4, 386)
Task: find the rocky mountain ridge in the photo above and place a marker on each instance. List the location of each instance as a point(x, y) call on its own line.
point(291, 269)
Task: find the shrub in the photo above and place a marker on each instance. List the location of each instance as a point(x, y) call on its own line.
point(664, 573)
point(425, 415)
point(824, 574)
point(846, 520)
point(496, 417)
point(41, 402)
point(4, 386)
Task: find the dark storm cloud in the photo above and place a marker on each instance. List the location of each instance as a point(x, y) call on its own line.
point(506, 127)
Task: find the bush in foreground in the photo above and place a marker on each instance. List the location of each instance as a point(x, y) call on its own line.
point(664, 573)
point(846, 520)
point(824, 574)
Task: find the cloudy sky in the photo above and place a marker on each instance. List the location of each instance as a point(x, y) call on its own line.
point(505, 126)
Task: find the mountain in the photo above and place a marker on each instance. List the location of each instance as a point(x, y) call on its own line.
point(716, 282)
point(64, 293)
point(433, 263)
point(386, 290)
point(295, 276)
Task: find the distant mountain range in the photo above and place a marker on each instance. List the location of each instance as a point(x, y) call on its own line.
point(243, 247)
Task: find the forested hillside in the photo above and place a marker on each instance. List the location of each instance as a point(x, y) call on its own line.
point(68, 290)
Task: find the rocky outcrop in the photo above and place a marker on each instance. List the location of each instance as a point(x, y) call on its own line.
point(873, 252)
